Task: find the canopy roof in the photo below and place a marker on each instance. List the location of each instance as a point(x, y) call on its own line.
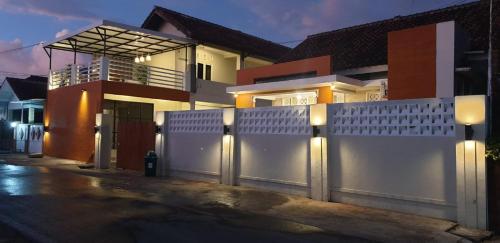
point(115, 39)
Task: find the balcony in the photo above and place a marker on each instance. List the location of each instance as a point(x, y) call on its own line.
point(118, 52)
point(117, 70)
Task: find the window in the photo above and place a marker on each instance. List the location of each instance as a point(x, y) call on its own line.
point(208, 72)
point(199, 69)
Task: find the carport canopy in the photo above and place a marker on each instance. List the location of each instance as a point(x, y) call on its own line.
point(116, 39)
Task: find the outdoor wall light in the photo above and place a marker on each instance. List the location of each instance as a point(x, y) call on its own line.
point(158, 129)
point(315, 131)
point(469, 132)
point(14, 124)
point(84, 90)
point(97, 129)
point(45, 128)
point(226, 130)
point(235, 95)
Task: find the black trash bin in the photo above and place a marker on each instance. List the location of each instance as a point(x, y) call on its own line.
point(150, 162)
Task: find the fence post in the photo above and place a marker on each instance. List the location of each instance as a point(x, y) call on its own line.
point(103, 140)
point(161, 120)
point(228, 163)
point(104, 68)
point(471, 171)
point(318, 153)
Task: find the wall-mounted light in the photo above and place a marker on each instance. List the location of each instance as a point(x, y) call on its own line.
point(14, 124)
point(46, 128)
point(84, 90)
point(158, 129)
point(235, 95)
point(469, 132)
point(97, 129)
point(226, 130)
point(315, 131)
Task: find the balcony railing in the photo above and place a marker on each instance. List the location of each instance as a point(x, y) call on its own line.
point(117, 71)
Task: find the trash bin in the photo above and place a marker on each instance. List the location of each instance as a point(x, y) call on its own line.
point(150, 162)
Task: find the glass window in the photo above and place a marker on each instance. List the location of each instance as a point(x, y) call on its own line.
point(208, 72)
point(199, 71)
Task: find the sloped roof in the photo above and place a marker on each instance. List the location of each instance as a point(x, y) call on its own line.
point(210, 33)
point(32, 87)
point(366, 45)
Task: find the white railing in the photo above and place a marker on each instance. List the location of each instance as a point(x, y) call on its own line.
point(118, 71)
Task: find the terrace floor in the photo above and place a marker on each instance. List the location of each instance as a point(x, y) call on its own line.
point(51, 199)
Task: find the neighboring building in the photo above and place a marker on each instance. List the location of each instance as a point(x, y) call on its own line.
point(175, 62)
point(22, 99)
point(22, 103)
point(439, 53)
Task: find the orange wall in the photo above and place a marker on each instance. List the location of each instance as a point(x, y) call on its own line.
point(412, 63)
point(70, 116)
point(322, 66)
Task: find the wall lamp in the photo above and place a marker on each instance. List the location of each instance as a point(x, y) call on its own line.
point(84, 90)
point(158, 129)
point(469, 132)
point(45, 128)
point(315, 131)
point(226, 130)
point(97, 129)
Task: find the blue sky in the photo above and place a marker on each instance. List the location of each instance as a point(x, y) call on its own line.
point(24, 22)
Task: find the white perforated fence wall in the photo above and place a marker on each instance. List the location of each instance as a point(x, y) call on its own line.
point(289, 120)
point(423, 117)
point(205, 121)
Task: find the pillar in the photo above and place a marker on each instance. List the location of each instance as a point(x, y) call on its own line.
point(319, 156)
point(103, 140)
point(160, 142)
point(229, 163)
point(31, 115)
point(74, 75)
point(104, 68)
point(471, 171)
point(190, 77)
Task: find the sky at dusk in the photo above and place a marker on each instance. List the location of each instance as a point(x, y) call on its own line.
point(25, 22)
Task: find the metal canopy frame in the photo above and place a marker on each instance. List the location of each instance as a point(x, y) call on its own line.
point(109, 38)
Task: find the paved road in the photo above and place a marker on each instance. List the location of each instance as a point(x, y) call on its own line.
point(66, 206)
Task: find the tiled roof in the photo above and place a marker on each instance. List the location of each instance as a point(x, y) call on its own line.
point(32, 87)
point(366, 45)
point(220, 36)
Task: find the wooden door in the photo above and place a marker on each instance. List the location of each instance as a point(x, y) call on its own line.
point(135, 139)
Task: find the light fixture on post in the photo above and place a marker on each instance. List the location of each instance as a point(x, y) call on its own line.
point(158, 129)
point(469, 132)
point(97, 129)
point(148, 58)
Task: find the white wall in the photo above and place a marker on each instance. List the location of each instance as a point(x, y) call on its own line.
point(223, 67)
point(276, 162)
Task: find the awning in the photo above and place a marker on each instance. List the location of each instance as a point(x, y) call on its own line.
point(298, 84)
point(115, 39)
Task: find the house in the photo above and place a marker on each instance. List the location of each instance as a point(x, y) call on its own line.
point(439, 53)
point(22, 102)
point(173, 62)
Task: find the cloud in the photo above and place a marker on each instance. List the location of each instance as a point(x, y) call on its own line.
point(298, 18)
point(60, 9)
point(62, 33)
point(32, 60)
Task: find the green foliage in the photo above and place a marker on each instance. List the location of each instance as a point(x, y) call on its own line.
point(493, 149)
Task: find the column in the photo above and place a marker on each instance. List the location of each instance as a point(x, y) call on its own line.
point(319, 156)
point(471, 171)
point(103, 140)
point(229, 163)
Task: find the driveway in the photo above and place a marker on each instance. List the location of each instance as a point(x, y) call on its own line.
point(53, 200)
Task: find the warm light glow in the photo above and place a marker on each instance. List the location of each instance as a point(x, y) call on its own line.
point(136, 60)
point(235, 95)
point(14, 124)
point(141, 58)
point(470, 145)
point(148, 58)
point(470, 109)
point(318, 114)
point(332, 87)
point(316, 142)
